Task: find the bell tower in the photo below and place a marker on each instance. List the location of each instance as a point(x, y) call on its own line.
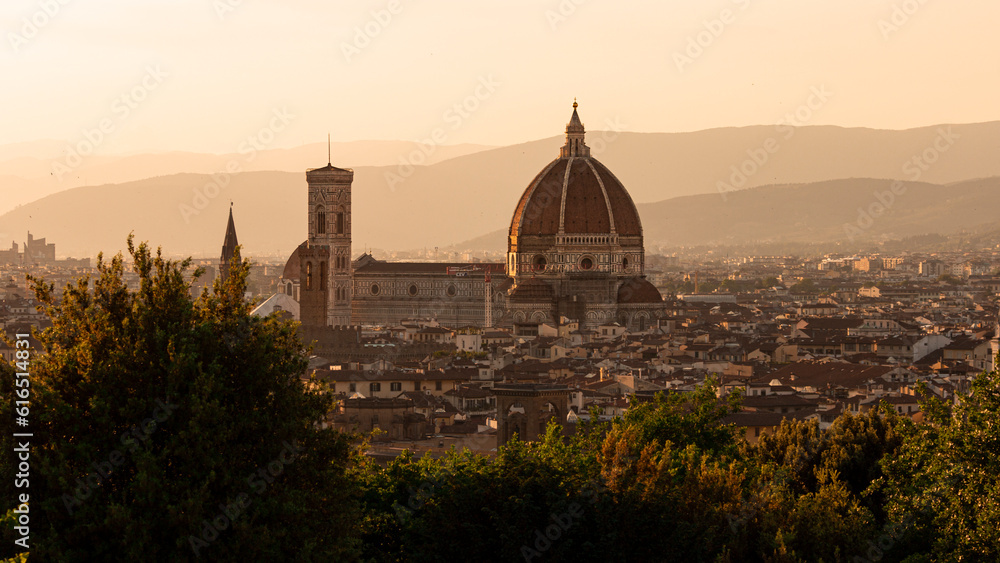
point(325, 257)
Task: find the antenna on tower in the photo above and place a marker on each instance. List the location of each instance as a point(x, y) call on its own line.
point(329, 158)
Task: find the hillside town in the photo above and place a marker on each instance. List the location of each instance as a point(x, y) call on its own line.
point(799, 338)
point(831, 335)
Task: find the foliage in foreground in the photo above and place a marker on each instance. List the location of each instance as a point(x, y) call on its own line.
point(666, 482)
point(670, 482)
point(168, 428)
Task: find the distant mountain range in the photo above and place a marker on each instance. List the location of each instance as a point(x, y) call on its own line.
point(809, 184)
point(29, 171)
point(854, 213)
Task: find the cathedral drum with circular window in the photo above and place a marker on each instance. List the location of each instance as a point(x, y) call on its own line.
point(576, 231)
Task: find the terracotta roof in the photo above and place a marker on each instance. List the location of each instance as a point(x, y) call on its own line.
point(757, 402)
point(328, 168)
point(383, 267)
point(575, 194)
point(831, 323)
point(638, 290)
point(532, 289)
point(586, 208)
point(468, 392)
point(292, 266)
point(393, 375)
point(824, 374)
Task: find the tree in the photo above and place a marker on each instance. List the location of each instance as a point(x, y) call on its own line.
point(806, 286)
point(942, 493)
point(949, 279)
point(852, 448)
point(681, 418)
point(169, 428)
point(538, 501)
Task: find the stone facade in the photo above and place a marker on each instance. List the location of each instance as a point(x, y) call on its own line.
point(396, 417)
point(325, 258)
point(575, 246)
point(575, 250)
point(453, 293)
point(525, 409)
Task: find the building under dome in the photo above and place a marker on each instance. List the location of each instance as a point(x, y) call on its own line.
point(575, 250)
point(575, 245)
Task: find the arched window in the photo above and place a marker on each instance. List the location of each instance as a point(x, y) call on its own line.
point(309, 275)
point(340, 223)
point(322, 274)
point(320, 220)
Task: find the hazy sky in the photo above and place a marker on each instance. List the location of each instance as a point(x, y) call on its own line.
point(202, 75)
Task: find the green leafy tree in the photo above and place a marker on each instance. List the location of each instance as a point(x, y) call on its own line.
point(949, 279)
point(806, 286)
point(852, 448)
point(682, 418)
point(169, 428)
point(466, 507)
point(827, 525)
point(942, 492)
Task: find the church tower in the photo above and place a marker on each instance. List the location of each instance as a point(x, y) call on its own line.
point(325, 258)
point(229, 245)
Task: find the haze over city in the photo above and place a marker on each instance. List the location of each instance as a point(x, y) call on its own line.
point(390, 70)
point(556, 280)
point(112, 93)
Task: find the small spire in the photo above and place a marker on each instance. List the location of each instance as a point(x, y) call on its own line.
point(575, 133)
point(229, 245)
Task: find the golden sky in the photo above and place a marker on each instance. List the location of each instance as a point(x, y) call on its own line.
point(202, 75)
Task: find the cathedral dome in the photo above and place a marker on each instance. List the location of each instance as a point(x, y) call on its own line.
point(575, 194)
point(638, 290)
point(292, 266)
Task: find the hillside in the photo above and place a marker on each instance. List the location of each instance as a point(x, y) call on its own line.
point(26, 169)
point(653, 166)
point(270, 214)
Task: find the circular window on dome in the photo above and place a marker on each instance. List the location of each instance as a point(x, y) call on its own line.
point(452, 290)
point(586, 264)
point(539, 263)
point(375, 289)
point(413, 289)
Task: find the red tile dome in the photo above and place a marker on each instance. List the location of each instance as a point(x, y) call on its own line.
point(575, 194)
point(638, 290)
